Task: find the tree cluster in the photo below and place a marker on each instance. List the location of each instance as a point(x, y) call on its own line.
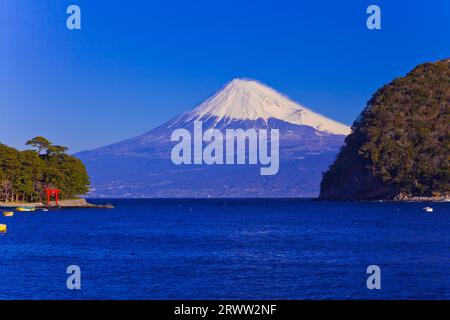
point(24, 175)
point(402, 137)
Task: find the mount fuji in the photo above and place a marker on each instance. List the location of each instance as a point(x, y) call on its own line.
point(142, 167)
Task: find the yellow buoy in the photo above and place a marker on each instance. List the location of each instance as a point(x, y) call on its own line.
point(3, 228)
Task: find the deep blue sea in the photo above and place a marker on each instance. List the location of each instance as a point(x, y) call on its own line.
point(228, 249)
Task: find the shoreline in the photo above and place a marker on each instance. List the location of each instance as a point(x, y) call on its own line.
point(82, 203)
point(404, 198)
point(62, 204)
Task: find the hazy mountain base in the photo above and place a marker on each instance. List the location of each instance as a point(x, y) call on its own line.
point(142, 167)
point(143, 176)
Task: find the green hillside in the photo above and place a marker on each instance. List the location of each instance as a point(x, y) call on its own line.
point(400, 144)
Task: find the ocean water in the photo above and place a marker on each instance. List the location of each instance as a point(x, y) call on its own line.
point(228, 249)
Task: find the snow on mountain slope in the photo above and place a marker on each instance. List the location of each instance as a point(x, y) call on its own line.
point(243, 99)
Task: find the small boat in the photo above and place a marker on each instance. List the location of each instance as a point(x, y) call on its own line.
point(26, 209)
point(3, 228)
point(428, 209)
point(8, 214)
point(45, 210)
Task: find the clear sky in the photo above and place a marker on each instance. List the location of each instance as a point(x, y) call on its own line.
point(136, 64)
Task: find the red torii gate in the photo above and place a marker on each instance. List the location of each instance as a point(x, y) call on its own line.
point(52, 192)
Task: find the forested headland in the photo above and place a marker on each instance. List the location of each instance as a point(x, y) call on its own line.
point(400, 144)
point(24, 175)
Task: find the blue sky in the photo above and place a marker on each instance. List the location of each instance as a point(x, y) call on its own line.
point(136, 64)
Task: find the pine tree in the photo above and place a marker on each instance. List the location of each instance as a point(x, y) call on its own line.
point(24, 175)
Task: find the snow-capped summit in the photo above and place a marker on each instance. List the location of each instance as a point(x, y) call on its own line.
point(245, 99)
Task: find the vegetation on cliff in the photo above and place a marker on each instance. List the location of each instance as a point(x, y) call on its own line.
point(400, 144)
point(24, 175)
